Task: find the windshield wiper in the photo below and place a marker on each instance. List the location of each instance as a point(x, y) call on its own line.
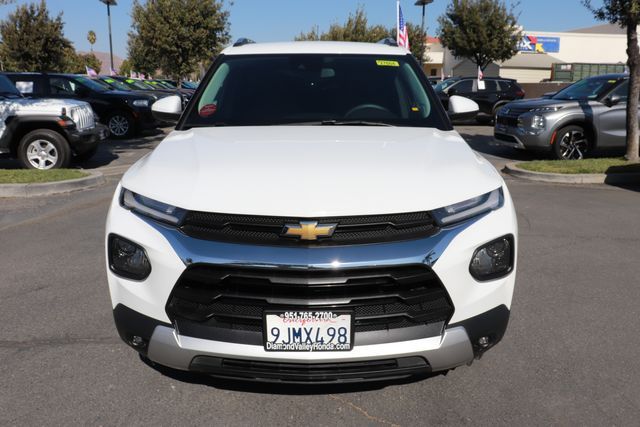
point(353, 123)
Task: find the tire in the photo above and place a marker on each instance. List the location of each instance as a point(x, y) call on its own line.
point(85, 156)
point(571, 143)
point(44, 149)
point(120, 124)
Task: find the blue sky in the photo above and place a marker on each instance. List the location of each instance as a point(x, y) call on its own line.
point(276, 20)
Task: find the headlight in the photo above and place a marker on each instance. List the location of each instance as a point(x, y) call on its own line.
point(538, 122)
point(493, 260)
point(469, 208)
point(545, 109)
point(141, 103)
point(151, 208)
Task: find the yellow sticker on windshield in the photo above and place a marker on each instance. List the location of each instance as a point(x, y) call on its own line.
point(611, 81)
point(386, 63)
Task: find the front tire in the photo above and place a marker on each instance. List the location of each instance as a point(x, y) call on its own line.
point(120, 124)
point(44, 149)
point(572, 143)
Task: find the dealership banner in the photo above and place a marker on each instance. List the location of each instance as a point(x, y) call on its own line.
point(537, 44)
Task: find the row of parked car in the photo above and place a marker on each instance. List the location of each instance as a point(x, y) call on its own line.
point(49, 119)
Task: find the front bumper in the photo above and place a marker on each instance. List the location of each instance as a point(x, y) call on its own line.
point(85, 140)
point(516, 137)
point(447, 253)
point(161, 343)
point(144, 118)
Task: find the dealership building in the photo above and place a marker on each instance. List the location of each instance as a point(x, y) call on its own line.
point(539, 52)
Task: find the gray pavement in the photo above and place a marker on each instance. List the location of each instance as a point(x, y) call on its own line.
point(569, 356)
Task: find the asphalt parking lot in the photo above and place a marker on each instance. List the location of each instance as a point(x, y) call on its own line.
point(569, 356)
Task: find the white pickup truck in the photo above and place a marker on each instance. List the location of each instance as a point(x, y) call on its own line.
point(314, 217)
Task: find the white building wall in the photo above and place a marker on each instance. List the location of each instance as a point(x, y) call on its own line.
point(593, 48)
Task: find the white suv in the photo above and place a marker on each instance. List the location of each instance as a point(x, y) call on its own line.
point(313, 218)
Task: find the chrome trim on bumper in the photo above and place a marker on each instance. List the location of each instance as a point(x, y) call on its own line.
point(419, 251)
point(451, 349)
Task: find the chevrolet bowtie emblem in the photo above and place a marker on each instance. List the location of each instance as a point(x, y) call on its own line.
point(308, 230)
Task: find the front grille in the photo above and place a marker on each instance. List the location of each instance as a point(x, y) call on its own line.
point(267, 229)
point(381, 298)
point(83, 117)
point(311, 372)
point(509, 121)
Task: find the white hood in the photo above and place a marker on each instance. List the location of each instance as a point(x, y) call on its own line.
point(312, 171)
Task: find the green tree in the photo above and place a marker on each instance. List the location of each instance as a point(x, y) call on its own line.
point(626, 13)
point(482, 30)
point(33, 41)
point(357, 29)
point(125, 68)
point(77, 63)
point(91, 37)
point(175, 35)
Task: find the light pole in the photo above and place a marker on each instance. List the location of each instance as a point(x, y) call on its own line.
point(423, 3)
point(110, 3)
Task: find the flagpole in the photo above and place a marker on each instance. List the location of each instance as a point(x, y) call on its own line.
point(397, 21)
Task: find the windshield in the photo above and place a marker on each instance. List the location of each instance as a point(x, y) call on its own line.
point(137, 84)
point(591, 88)
point(315, 89)
point(7, 88)
point(444, 84)
point(189, 85)
point(92, 84)
point(115, 84)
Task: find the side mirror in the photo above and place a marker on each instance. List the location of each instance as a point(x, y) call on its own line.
point(461, 108)
point(548, 94)
point(168, 109)
point(612, 100)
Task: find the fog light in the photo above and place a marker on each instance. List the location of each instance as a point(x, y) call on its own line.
point(137, 341)
point(493, 260)
point(128, 259)
point(483, 342)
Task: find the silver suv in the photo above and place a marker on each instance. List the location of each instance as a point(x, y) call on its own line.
point(570, 123)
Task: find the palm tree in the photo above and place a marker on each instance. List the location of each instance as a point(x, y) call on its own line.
point(91, 36)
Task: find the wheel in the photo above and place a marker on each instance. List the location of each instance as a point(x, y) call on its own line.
point(120, 124)
point(44, 149)
point(571, 143)
point(83, 157)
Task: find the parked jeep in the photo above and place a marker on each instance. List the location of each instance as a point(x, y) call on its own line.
point(46, 133)
point(124, 113)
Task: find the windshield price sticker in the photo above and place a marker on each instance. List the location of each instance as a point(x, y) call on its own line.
point(308, 331)
point(387, 63)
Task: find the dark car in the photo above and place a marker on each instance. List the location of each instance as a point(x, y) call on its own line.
point(116, 84)
point(496, 93)
point(124, 113)
point(138, 84)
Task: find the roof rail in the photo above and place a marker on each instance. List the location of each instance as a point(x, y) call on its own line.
point(242, 41)
point(389, 41)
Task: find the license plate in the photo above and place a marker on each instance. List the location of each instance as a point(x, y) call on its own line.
point(308, 331)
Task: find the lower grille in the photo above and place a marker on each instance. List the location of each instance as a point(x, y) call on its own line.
point(311, 373)
point(505, 138)
point(381, 299)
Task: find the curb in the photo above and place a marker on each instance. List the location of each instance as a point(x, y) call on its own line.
point(46, 188)
point(578, 178)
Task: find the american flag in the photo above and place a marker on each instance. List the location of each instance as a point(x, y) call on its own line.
point(403, 32)
point(91, 72)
